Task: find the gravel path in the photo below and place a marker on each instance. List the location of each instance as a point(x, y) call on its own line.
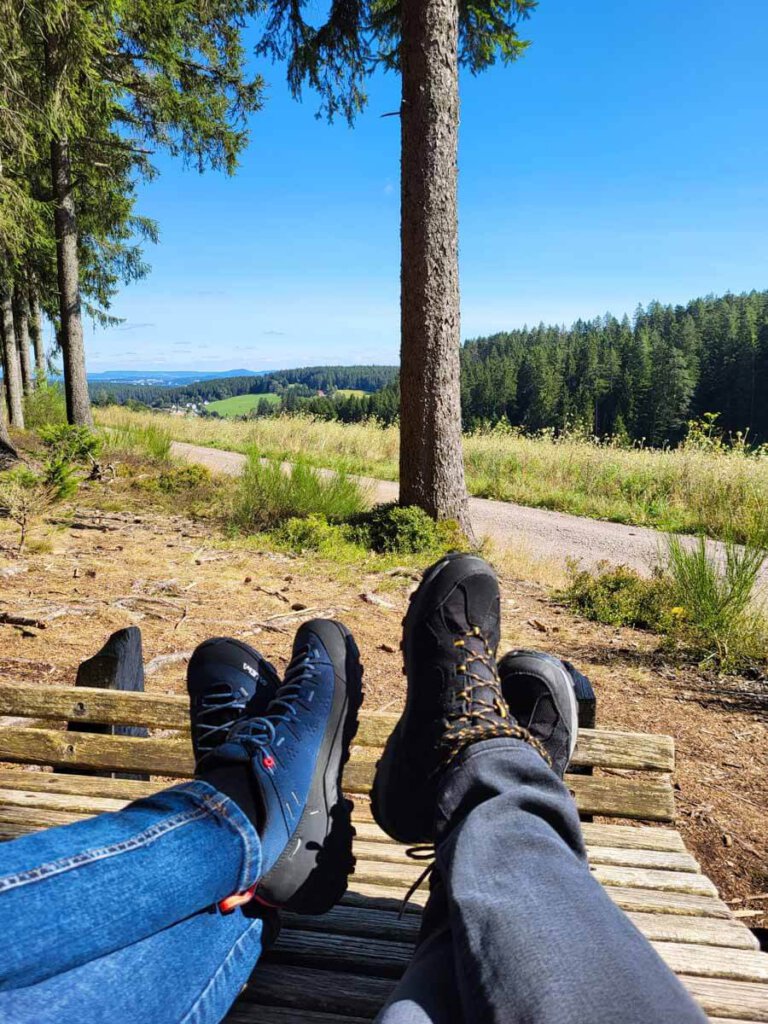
point(553, 536)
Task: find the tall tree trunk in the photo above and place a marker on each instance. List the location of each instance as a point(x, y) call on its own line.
point(36, 332)
point(11, 368)
point(8, 454)
point(68, 268)
point(431, 464)
point(21, 326)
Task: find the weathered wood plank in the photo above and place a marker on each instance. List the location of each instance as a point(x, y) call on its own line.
point(629, 837)
point(645, 799)
point(78, 785)
point(172, 757)
point(709, 962)
point(645, 900)
point(382, 873)
point(14, 792)
point(362, 921)
point(328, 991)
point(739, 1000)
point(377, 958)
point(87, 704)
point(244, 1012)
point(66, 802)
point(392, 853)
point(384, 924)
point(598, 747)
point(647, 878)
point(702, 931)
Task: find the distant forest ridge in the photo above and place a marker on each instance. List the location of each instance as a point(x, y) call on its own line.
point(642, 378)
point(308, 379)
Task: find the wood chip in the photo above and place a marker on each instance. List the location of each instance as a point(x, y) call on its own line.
point(380, 602)
point(747, 913)
point(537, 624)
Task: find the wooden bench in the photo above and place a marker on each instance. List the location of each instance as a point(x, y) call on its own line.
point(341, 967)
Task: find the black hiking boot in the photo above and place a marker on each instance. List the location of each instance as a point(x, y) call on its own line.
point(284, 770)
point(540, 692)
point(226, 679)
point(454, 698)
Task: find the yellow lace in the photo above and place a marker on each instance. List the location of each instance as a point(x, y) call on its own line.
point(482, 722)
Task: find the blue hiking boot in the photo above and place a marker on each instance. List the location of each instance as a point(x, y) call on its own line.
point(226, 679)
point(293, 756)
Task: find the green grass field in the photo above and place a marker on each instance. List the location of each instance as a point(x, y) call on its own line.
point(239, 405)
point(721, 493)
point(350, 393)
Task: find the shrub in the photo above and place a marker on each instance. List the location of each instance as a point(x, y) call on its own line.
point(405, 529)
point(24, 497)
point(267, 494)
point(68, 448)
point(618, 596)
point(718, 614)
point(44, 406)
point(182, 479)
point(311, 534)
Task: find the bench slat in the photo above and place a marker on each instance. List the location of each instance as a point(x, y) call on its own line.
point(391, 853)
point(708, 962)
point(629, 837)
point(641, 837)
point(596, 747)
point(250, 1013)
point(645, 799)
point(739, 1000)
point(383, 924)
point(388, 959)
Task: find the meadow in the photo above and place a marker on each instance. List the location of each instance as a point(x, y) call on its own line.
point(702, 487)
point(240, 405)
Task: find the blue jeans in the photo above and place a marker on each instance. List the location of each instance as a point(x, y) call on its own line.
point(114, 919)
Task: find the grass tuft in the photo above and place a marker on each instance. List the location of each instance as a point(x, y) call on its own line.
point(267, 494)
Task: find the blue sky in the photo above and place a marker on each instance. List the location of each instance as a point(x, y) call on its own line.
point(623, 159)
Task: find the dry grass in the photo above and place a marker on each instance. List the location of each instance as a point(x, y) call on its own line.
point(718, 492)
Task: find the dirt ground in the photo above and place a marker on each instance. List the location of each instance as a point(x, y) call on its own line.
point(181, 584)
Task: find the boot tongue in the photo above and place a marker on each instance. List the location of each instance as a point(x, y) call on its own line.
point(482, 682)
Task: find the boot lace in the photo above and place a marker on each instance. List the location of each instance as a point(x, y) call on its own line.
point(256, 733)
point(220, 710)
point(482, 712)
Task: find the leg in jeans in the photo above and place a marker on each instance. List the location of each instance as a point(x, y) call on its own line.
point(116, 917)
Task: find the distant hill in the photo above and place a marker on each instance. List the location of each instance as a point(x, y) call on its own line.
point(304, 382)
point(167, 378)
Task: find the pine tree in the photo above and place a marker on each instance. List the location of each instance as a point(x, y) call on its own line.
point(426, 41)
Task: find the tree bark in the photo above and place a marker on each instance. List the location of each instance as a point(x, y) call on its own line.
point(431, 463)
point(8, 454)
point(68, 269)
point(21, 326)
point(36, 332)
point(11, 368)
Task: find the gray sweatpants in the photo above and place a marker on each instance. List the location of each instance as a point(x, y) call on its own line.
point(516, 930)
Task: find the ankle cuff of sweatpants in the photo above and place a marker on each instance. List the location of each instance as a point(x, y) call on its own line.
point(487, 769)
